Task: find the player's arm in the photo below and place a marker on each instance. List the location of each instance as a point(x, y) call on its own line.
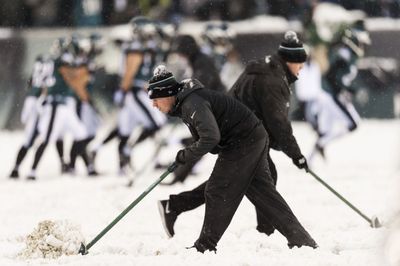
point(132, 64)
point(77, 79)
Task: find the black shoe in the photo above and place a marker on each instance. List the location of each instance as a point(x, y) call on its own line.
point(124, 160)
point(64, 168)
point(31, 178)
point(93, 173)
point(309, 243)
point(299, 238)
point(265, 230)
point(320, 150)
point(14, 174)
point(168, 217)
point(203, 247)
point(70, 170)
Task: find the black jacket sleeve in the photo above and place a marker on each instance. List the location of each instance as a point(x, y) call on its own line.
point(274, 108)
point(198, 116)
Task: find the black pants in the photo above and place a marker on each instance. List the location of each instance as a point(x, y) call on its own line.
point(241, 172)
point(192, 199)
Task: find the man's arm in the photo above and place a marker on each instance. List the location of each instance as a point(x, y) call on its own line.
point(274, 108)
point(132, 64)
point(198, 114)
point(77, 79)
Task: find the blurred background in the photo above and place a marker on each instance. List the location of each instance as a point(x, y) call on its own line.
point(29, 27)
point(99, 35)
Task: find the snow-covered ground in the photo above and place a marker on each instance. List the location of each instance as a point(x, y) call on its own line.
point(363, 166)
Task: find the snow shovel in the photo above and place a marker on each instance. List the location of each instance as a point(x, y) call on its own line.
point(84, 249)
point(373, 221)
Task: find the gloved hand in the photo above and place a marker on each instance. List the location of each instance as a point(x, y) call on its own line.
point(301, 163)
point(180, 157)
point(119, 97)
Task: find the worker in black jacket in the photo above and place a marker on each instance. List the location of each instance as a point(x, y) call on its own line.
point(264, 87)
point(220, 124)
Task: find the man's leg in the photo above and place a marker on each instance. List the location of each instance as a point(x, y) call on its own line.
point(185, 201)
point(47, 133)
point(231, 176)
point(263, 223)
point(192, 199)
point(263, 194)
point(60, 151)
point(31, 132)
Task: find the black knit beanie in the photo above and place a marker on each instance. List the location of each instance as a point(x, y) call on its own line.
point(291, 49)
point(163, 84)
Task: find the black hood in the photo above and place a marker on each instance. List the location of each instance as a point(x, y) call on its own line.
point(269, 65)
point(188, 87)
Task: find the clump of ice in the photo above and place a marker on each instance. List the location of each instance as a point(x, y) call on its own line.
point(52, 239)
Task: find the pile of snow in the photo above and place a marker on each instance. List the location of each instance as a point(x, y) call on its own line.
point(52, 239)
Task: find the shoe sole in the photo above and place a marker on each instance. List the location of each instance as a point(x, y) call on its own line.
point(161, 211)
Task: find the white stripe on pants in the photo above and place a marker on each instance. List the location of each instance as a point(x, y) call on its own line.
point(66, 120)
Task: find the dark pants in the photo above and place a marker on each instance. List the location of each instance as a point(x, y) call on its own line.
point(237, 173)
point(192, 199)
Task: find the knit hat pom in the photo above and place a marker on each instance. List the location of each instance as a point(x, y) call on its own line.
point(159, 70)
point(163, 83)
point(291, 37)
point(291, 49)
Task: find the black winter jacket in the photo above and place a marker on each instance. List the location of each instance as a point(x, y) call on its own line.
point(264, 87)
point(216, 121)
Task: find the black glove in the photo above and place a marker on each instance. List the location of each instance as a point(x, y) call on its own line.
point(180, 157)
point(301, 163)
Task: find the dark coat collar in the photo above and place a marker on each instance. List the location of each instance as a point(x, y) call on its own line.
point(188, 87)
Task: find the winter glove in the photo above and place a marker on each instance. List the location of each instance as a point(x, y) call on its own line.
point(180, 157)
point(301, 163)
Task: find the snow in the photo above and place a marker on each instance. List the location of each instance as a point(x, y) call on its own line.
point(52, 239)
point(363, 167)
